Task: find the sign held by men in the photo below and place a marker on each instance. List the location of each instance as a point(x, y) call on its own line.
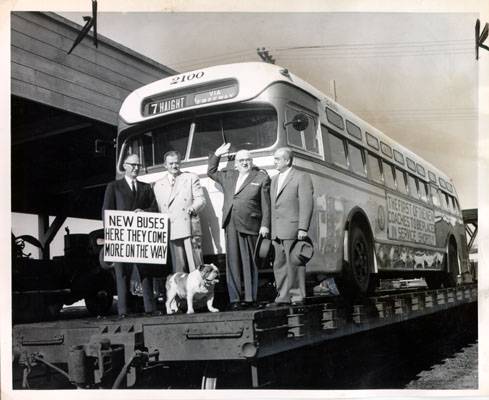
point(135, 237)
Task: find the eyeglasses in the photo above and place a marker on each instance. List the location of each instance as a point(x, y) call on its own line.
point(243, 160)
point(133, 165)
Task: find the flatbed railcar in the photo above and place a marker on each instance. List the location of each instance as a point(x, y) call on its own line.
point(113, 353)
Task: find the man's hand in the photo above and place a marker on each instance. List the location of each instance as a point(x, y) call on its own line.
point(138, 210)
point(191, 211)
point(223, 149)
point(301, 235)
point(264, 231)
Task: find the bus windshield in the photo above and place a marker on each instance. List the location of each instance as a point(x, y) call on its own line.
point(197, 136)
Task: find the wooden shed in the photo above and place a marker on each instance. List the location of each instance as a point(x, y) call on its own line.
point(64, 111)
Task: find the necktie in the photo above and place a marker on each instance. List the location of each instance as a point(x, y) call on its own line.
point(133, 187)
point(172, 180)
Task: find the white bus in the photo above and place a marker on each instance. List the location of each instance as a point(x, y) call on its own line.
point(380, 210)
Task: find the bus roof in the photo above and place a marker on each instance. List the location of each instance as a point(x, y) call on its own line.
point(252, 78)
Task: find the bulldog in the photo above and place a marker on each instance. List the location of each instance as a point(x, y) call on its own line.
point(197, 284)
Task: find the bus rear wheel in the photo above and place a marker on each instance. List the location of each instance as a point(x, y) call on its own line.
point(358, 279)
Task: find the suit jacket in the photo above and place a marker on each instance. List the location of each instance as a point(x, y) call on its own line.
point(292, 207)
point(119, 196)
point(250, 206)
point(186, 193)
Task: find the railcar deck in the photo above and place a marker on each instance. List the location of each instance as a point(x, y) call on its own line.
point(230, 335)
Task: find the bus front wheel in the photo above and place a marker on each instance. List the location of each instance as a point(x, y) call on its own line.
point(358, 279)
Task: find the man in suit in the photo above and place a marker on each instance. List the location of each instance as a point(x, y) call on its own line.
point(291, 196)
point(128, 194)
point(246, 214)
point(180, 195)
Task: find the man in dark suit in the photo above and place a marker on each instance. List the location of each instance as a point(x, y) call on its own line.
point(291, 194)
point(246, 214)
point(128, 194)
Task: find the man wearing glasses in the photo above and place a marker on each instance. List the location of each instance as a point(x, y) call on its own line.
point(246, 214)
point(128, 194)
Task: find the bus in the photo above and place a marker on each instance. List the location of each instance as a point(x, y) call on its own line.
point(380, 210)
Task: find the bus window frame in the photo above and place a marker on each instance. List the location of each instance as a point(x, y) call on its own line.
point(379, 163)
point(404, 178)
point(362, 154)
point(434, 193)
point(312, 116)
point(331, 132)
point(417, 197)
point(398, 157)
point(387, 164)
point(132, 132)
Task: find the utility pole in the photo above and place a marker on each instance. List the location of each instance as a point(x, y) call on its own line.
point(265, 55)
point(480, 37)
point(332, 89)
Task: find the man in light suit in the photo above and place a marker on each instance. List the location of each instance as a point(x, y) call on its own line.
point(291, 196)
point(246, 214)
point(128, 194)
point(180, 195)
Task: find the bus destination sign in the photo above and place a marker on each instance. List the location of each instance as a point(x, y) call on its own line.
point(217, 94)
point(175, 103)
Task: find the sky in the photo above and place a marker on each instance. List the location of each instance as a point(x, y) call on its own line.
point(412, 75)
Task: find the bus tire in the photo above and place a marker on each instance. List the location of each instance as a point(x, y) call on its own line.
point(451, 264)
point(357, 273)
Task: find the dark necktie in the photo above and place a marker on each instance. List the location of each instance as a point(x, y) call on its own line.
point(133, 187)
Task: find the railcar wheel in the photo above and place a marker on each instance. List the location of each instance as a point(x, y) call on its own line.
point(209, 382)
point(358, 278)
point(209, 377)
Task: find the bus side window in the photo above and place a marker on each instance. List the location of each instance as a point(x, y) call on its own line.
point(357, 162)
point(401, 181)
point(374, 168)
point(306, 139)
point(311, 136)
point(423, 191)
point(457, 207)
point(413, 189)
point(338, 151)
point(435, 197)
point(451, 206)
point(389, 175)
point(443, 198)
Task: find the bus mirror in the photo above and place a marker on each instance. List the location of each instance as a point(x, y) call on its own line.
point(299, 122)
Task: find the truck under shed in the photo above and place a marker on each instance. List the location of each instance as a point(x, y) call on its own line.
point(64, 111)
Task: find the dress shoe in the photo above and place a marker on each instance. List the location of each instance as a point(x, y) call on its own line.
point(122, 316)
point(250, 304)
point(276, 305)
point(156, 313)
point(235, 306)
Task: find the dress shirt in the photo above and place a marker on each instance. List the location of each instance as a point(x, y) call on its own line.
point(130, 182)
point(281, 179)
point(239, 182)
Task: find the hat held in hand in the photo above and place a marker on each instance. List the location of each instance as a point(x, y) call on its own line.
point(301, 251)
